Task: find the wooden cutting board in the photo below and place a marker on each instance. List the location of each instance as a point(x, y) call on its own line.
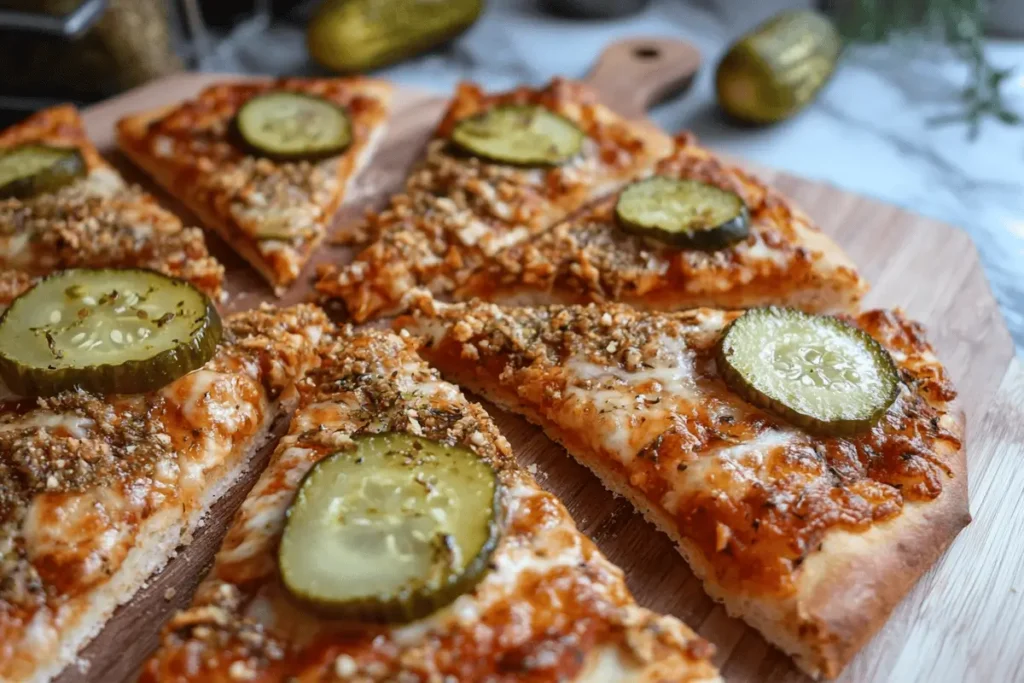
point(958, 622)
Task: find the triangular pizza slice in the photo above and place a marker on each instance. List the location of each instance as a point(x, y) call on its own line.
point(98, 490)
point(809, 468)
point(393, 537)
point(264, 163)
point(500, 169)
point(62, 206)
point(699, 233)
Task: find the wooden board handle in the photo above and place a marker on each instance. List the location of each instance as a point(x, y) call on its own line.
point(634, 74)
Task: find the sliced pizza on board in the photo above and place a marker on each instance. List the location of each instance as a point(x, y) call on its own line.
point(699, 232)
point(393, 537)
point(264, 163)
point(809, 468)
point(499, 169)
point(139, 410)
point(62, 206)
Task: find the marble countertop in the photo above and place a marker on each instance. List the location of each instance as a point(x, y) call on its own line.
point(868, 131)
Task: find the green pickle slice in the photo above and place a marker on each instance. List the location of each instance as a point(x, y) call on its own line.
point(683, 213)
point(31, 169)
point(291, 126)
point(391, 530)
point(523, 135)
point(818, 372)
point(107, 331)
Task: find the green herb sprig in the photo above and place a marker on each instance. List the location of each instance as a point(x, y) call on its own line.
point(958, 24)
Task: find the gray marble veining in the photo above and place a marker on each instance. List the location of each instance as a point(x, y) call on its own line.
point(869, 130)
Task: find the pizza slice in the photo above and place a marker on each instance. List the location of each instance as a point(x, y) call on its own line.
point(62, 206)
point(698, 233)
point(500, 168)
point(264, 163)
point(809, 468)
point(393, 537)
point(99, 488)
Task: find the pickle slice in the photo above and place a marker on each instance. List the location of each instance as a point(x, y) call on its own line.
point(292, 126)
point(524, 135)
point(683, 213)
point(105, 331)
point(32, 169)
point(391, 530)
point(818, 372)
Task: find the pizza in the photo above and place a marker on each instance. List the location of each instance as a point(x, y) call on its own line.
point(780, 257)
point(468, 200)
point(809, 468)
point(87, 217)
point(264, 163)
point(377, 429)
point(97, 491)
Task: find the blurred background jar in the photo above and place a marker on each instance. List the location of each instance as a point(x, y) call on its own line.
point(83, 49)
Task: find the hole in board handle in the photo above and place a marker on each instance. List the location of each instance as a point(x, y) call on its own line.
point(646, 52)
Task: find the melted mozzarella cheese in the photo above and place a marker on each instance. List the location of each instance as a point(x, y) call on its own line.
point(40, 634)
point(760, 251)
point(14, 246)
point(633, 406)
point(730, 471)
point(494, 242)
point(103, 182)
point(203, 406)
point(263, 512)
point(80, 532)
point(75, 425)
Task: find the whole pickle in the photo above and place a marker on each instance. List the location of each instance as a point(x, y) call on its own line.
point(360, 35)
point(775, 70)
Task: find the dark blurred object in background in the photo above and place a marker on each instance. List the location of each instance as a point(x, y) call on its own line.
point(129, 44)
point(596, 9)
point(227, 13)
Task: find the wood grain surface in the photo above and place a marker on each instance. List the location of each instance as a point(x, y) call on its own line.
point(960, 623)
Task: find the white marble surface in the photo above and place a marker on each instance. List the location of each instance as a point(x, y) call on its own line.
point(867, 132)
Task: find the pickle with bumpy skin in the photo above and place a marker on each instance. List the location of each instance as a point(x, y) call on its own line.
point(775, 70)
point(683, 213)
point(31, 169)
point(291, 126)
point(390, 530)
point(107, 331)
point(359, 35)
point(818, 372)
point(523, 135)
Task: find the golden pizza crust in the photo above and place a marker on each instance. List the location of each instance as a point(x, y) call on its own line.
point(840, 592)
point(194, 171)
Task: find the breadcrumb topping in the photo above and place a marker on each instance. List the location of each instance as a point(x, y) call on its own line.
point(121, 226)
